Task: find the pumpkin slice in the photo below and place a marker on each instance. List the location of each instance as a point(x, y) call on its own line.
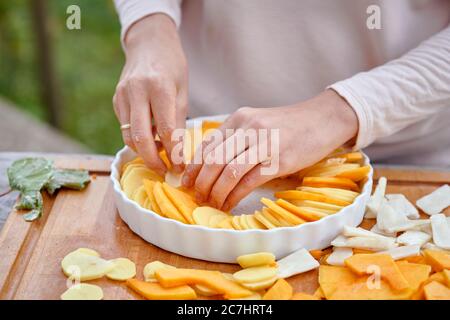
point(256, 259)
point(83, 291)
point(303, 195)
point(330, 182)
point(341, 194)
point(436, 291)
point(166, 206)
point(281, 290)
point(319, 293)
point(351, 156)
point(123, 269)
point(214, 280)
point(182, 201)
point(282, 213)
point(303, 296)
point(154, 291)
point(303, 213)
point(362, 264)
point(438, 260)
point(255, 274)
point(332, 277)
point(356, 174)
point(149, 185)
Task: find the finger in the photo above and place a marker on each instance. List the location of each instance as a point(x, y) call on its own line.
point(249, 182)
point(141, 130)
point(209, 143)
point(181, 114)
point(232, 175)
point(216, 161)
point(122, 110)
point(163, 101)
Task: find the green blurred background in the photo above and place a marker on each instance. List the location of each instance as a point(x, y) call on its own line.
point(87, 65)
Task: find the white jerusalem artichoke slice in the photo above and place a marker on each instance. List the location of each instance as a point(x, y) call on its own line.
point(367, 243)
point(413, 237)
point(377, 230)
point(123, 269)
point(151, 267)
point(390, 220)
point(338, 256)
point(298, 262)
point(255, 274)
point(359, 232)
point(403, 252)
point(83, 291)
point(377, 199)
point(441, 231)
point(80, 266)
point(436, 201)
point(431, 246)
point(401, 204)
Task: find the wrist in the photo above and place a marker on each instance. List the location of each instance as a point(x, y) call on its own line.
point(149, 29)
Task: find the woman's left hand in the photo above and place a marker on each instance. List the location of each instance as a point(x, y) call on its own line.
point(297, 136)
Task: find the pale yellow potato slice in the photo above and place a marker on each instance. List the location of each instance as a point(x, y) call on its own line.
point(274, 218)
point(243, 222)
point(204, 290)
point(235, 222)
point(253, 223)
point(123, 269)
point(128, 170)
point(81, 266)
point(140, 196)
point(255, 274)
point(201, 215)
point(148, 204)
point(88, 251)
point(83, 291)
point(264, 221)
point(226, 224)
point(133, 180)
point(316, 204)
point(151, 267)
point(215, 220)
point(261, 285)
point(256, 259)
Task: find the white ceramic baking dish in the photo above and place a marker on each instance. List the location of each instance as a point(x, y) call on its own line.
point(221, 245)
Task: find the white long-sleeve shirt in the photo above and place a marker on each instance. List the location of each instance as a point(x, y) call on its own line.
point(276, 52)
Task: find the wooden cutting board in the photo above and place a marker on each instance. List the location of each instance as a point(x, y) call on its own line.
point(31, 252)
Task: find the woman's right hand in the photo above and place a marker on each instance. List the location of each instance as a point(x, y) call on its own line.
point(153, 85)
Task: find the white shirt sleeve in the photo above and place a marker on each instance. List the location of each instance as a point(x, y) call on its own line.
point(131, 11)
point(401, 92)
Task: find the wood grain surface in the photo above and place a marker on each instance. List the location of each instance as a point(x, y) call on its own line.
point(31, 252)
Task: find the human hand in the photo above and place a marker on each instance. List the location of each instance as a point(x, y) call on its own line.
point(153, 84)
point(308, 132)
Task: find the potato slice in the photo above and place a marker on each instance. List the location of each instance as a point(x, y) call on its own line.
point(135, 161)
point(330, 182)
point(123, 269)
point(128, 169)
point(201, 215)
point(203, 290)
point(149, 185)
point(151, 267)
point(81, 266)
point(347, 196)
point(243, 222)
point(148, 204)
point(140, 196)
point(88, 251)
point(83, 291)
point(133, 180)
point(355, 174)
point(255, 274)
point(261, 285)
point(274, 219)
point(256, 259)
point(215, 220)
point(253, 223)
point(226, 224)
point(166, 206)
point(235, 222)
point(263, 220)
point(316, 204)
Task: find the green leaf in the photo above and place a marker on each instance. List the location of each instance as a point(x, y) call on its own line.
point(68, 178)
point(29, 174)
point(29, 200)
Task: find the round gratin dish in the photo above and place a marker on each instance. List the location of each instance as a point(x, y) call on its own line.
point(222, 245)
